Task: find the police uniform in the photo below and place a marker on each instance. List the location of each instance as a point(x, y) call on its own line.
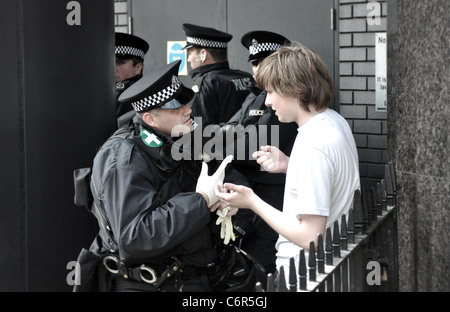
point(156, 222)
point(220, 91)
point(259, 239)
point(126, 47)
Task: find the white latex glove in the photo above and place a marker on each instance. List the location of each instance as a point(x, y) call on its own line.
point(226, 230)
point(207, 184)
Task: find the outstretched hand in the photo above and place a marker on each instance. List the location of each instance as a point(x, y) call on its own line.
point(271, 159)
point(236, 196)
point(206, 184)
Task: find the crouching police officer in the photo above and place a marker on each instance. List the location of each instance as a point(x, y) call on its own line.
point(154, 211)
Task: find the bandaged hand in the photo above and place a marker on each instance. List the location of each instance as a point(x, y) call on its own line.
point(226, 230)
point(207, 184)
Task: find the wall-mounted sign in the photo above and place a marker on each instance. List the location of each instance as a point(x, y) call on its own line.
point(175, 52)
point(380, 72)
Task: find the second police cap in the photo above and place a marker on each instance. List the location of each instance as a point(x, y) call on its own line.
point(261, 43)
point(159, 89)
point(127, 45)
point(200, 36)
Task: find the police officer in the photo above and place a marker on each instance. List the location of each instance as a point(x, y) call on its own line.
point(152, 209)
point(259, 238)
point(220, 90)
point(130, 51)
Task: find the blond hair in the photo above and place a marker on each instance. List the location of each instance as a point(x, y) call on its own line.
point(297, 71)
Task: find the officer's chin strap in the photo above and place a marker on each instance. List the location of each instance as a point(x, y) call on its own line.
point(226, 230)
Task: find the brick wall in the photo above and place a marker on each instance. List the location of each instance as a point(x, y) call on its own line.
point(357, 83)
point(121, 15)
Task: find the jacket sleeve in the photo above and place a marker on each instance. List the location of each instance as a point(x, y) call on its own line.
point(144, 226)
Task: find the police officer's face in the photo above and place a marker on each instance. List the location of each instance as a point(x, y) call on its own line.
point(255, 67)
point(194, 57)
point(125, 69)
point(171, 122)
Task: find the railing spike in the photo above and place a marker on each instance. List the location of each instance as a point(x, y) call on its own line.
point(378, 199)
point(292, 275)
point(358, 213)
point(373, 203)
point(302, 270)
point(336, 240)
point(328, 247)
point(350, 227)
point(282, 284)
point(270, 283)
point(383, 195)
point(343, 233)
point(320, 255)
point(312, 262)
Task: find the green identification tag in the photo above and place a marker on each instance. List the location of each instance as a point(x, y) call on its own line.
point(150, 139)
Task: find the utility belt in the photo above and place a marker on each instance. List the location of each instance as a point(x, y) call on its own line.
point(155, 274)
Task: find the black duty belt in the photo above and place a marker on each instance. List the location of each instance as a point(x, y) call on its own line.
point(142, 273)
point(155, 275)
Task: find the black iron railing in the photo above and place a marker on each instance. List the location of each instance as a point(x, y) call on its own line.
point(358, 255)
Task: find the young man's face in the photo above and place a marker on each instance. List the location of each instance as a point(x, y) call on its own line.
point(125, 69)
point(172, 122)
point(285, 108)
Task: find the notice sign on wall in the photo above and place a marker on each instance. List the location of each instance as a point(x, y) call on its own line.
point(175, 52)
point(380, 72)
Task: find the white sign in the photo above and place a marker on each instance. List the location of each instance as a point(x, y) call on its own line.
point(175, 52)
point(380, 72)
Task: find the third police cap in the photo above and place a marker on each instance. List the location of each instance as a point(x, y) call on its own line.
point(205, 37)
point(128, 46)
point(261, 43)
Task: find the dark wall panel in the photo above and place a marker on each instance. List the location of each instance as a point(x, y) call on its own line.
point(11, 200)
point(61, 112)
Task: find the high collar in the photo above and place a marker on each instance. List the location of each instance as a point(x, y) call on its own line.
point(202, 70)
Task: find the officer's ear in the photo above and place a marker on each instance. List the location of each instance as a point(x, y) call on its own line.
point(138, 68)
point(150, 118)
point(203, 54)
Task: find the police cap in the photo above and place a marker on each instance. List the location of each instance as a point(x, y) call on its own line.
point(128, 46)
point(262, 43)
point(159, 89)
point(205, 37)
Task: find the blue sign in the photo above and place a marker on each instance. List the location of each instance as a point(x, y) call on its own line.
point(175, 52)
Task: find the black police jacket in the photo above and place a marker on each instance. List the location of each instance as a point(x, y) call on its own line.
point(149, 199)
point(220, 91)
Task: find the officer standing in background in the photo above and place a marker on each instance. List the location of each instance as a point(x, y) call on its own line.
point(259, 238)
point(220, 91)
point(130, 51)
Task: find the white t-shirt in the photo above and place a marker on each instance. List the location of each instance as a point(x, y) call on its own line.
point(321, 178)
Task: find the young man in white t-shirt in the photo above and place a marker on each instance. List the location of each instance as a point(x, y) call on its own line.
point(322, 171)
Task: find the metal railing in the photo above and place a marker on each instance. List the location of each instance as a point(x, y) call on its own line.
point(358, 255)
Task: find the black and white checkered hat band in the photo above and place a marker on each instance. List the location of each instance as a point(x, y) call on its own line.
point(157, 98)
point(130, 51)
point(265, 46)
point(206, 43)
